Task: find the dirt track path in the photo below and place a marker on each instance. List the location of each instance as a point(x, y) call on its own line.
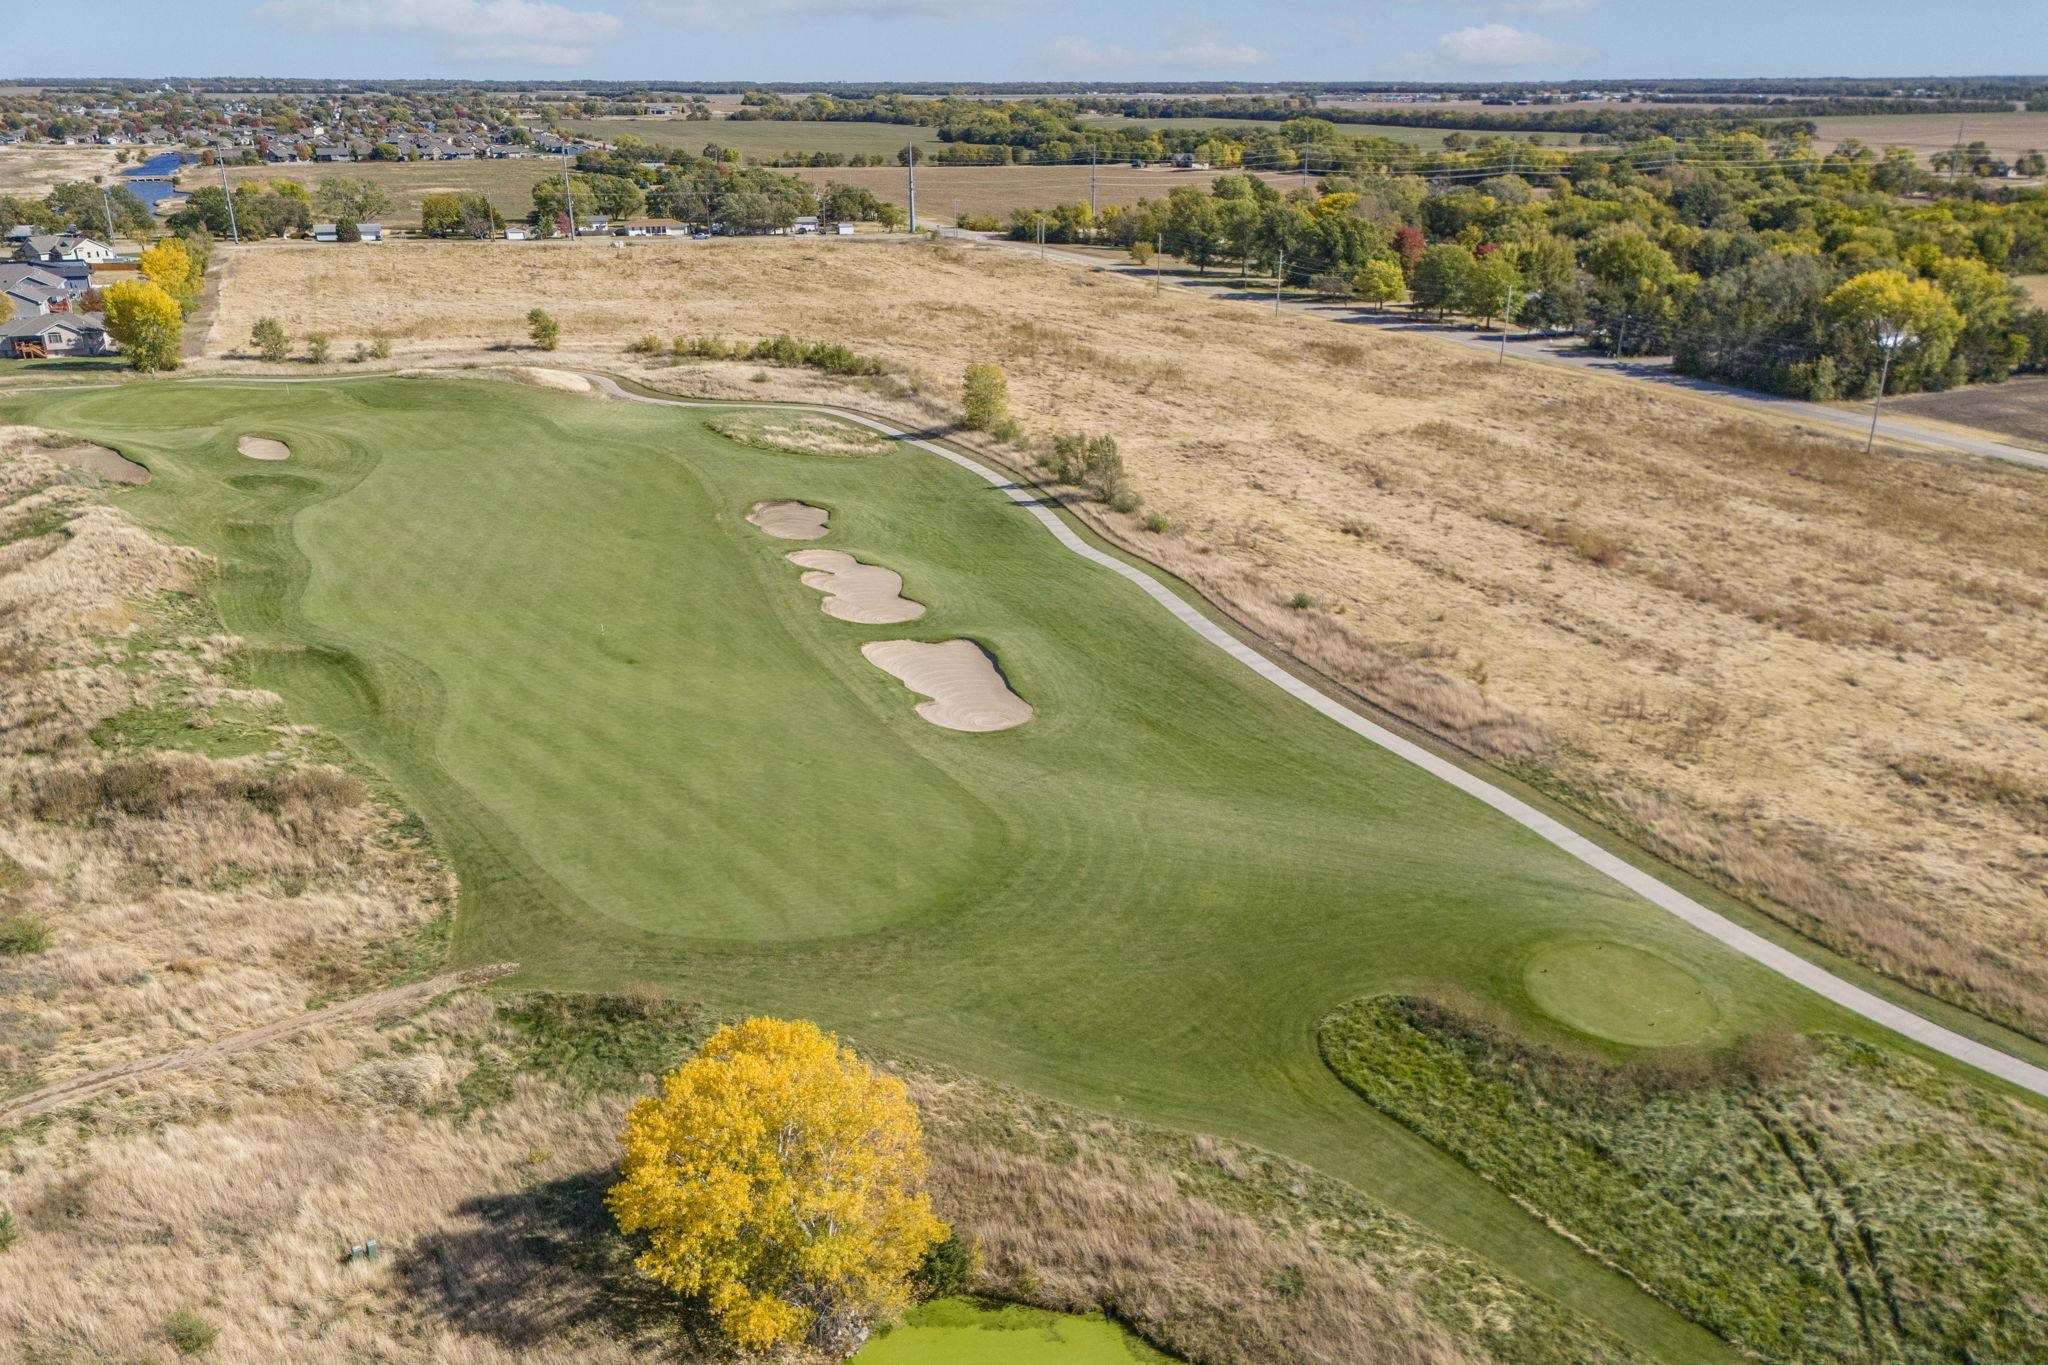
point(79, 1089)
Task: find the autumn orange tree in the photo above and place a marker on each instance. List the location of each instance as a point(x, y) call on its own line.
point(779, 1179)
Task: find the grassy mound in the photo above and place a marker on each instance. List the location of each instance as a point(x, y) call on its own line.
point(1840, 1203)
point(1620, 994)
point(806, 433)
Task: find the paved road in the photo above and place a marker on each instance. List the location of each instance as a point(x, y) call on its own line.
point(1552, 351)
point(78, 1089)
point(1751, 945)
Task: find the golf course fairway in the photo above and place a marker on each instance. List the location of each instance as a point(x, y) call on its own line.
point(652, 758)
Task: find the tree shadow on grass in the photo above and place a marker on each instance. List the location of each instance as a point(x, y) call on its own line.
point(525, 1266)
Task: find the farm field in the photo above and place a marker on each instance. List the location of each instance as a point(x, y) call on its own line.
point(765, 138)
point(1540, 567)
point(2016, 409)
point(1431, 138)
point(2007, 135)
point(652, 758)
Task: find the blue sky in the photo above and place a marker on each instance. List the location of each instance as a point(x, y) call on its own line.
point(1062, 40)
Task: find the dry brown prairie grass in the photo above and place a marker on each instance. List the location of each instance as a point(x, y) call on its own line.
point(1207, 1284)
point(238, 1190)
point(1511, 558)
point(30, 170)
point(187, 897)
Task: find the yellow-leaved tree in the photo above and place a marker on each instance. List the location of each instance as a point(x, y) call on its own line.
point(781, 1180)
point(146, 321)
point(170, 267)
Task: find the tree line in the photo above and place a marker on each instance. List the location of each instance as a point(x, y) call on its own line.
point(1779, 269)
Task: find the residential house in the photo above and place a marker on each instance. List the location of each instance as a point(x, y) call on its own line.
point(651, 227)
point(331, 232)
point(53, 335)
point(805, 224)
point(44, 248)
point(31, 291)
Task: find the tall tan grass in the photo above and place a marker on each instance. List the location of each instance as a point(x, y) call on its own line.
point(187, 897)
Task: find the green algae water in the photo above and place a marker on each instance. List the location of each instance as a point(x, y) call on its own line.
point(983, 1332)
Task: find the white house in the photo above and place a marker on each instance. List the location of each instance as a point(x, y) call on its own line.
point(805, 224)
point(69, 246)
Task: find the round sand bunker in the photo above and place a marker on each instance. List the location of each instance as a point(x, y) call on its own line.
point(790, 520)
point(966, 688)
point(263, 448)
point(866, 594)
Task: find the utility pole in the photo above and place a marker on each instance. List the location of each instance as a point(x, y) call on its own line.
point(1158, 250)
point(1041, 236)
point(1889, 339)
point(1504, 327)
point(1279, 280)
point(108, 205)
point(912, 164)
point(1955, 155)
point(1094, 210)
point(568, 195)
point(233, 231)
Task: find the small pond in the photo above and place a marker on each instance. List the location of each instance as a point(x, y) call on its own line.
point(985, 1332)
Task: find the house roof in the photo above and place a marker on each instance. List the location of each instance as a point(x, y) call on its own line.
point(80, 323)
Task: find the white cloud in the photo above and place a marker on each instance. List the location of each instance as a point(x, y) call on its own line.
point(1492, 45)
point(1202, 49)
point(461, 32)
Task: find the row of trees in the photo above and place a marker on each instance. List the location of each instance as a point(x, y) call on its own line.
point(741, 199)
point(1742, 264)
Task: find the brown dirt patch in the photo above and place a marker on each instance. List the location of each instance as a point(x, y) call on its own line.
point(263, 448)
point(966, 688)
point(866, 594)
point(790, 520)
point(2016, 410)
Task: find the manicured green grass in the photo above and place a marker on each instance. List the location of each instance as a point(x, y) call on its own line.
point(652, 758)
point(1906, 1213)
point(762, 137)
point(1618, 994)
point(974, 1332)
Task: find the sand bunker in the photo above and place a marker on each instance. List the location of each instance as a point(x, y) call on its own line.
point(563, 380)
point(790, 520)
point(864, 593)
point(966, 688)
point(263, 448)
point(110, 465)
